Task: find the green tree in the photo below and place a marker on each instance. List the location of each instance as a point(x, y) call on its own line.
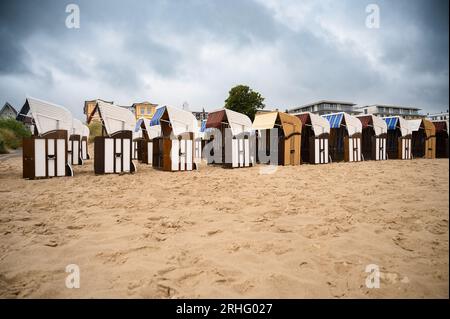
point(244, 100)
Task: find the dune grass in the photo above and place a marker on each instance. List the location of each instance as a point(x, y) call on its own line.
point(11, 134)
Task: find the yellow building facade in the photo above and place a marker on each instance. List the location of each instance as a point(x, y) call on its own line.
point(144, 109)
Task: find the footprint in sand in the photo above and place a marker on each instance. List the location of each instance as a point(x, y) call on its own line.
point(51, 243)
point(439, 228)
point(75, 227)
point(400, 241)
point(166, 291)
point(112, 258)
point(164, 271)
point(213, 232)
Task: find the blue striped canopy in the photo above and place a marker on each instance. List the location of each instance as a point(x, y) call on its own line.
point(334, 119)
point(203, 127)
point(391, 122)
point(137, 128)
point(157, 116)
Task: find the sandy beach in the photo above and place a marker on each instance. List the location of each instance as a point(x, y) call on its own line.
point(298, 232)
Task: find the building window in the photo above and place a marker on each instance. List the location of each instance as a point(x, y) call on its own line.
point(365, 111)
point(142, 110)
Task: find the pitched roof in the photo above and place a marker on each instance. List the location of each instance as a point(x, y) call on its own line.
point(8, 106)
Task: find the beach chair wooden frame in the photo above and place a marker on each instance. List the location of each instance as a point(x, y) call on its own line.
point(46, 156)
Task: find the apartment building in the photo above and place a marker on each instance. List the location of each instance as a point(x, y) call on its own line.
point(381, 110)
point(442, 116)
point(326, 107)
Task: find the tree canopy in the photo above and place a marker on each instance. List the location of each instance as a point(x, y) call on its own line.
point(244, 100)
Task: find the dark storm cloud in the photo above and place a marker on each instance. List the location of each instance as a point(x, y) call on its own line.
point(427, 52)
point(12, 55)
point(316, 64)
point(21, 20)
point(127, 47)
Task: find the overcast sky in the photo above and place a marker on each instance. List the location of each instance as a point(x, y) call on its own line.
point(168, 52)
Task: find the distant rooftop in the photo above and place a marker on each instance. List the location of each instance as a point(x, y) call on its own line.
point(145, 102)
point(95, 100)
point(266, 111)
point(439, 113)
point(391, 106)
point(325, 106)
point(327, 102)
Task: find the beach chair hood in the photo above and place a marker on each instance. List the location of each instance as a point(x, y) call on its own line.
point(378, 124)
point(414, 125)
point(290, 124)
point(265, 121)
point(394, 122)
point(115, 118)
point(427, 125)
point(152, 131)
point(318, 124)
point(353, 125)
point(180, 120)
point(238, 122)
point(48, 116)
